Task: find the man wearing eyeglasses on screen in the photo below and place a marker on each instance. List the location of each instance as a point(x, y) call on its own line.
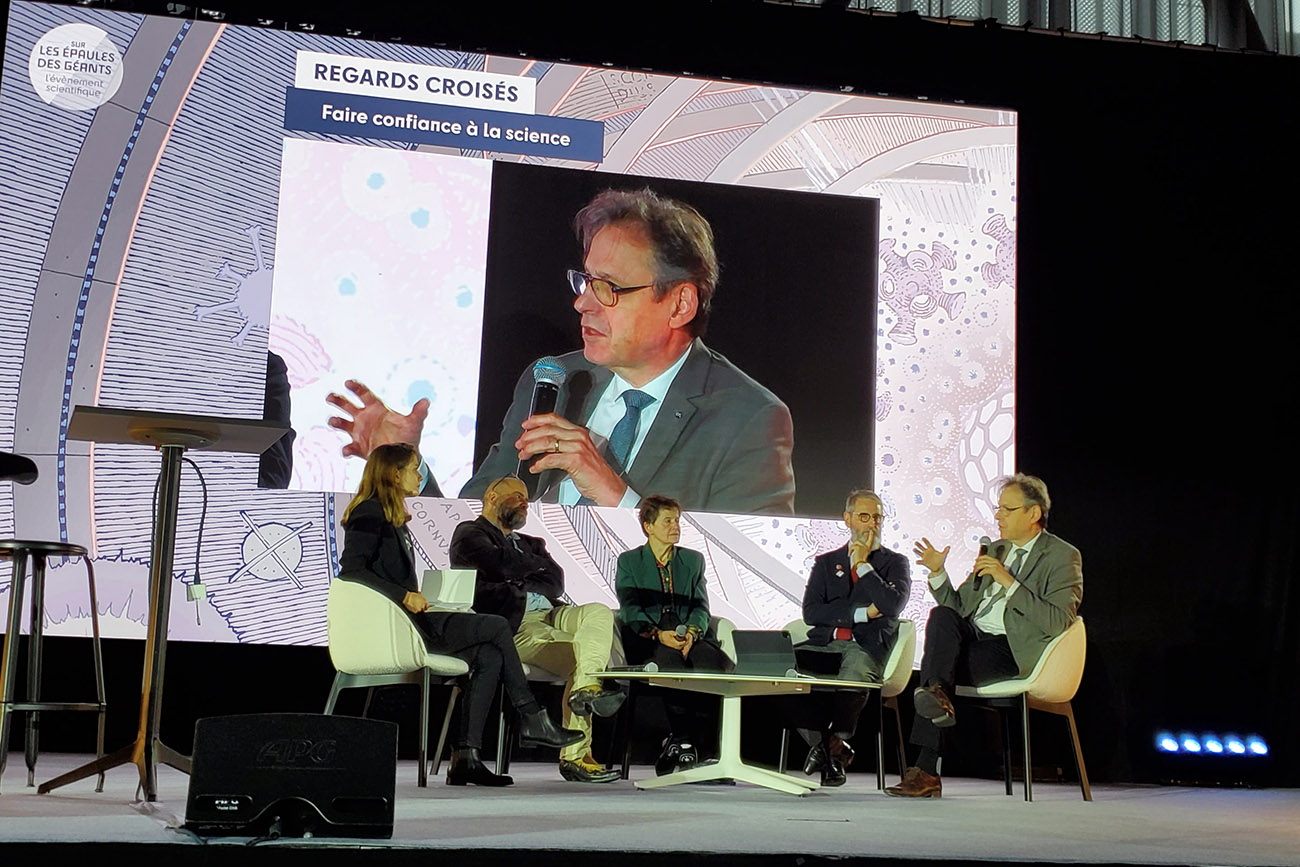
point(646, 405)
point(1022, 592)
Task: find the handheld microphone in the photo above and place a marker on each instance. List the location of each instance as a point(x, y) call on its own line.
point(681, 630)
point(985, 544)
point(548, 375)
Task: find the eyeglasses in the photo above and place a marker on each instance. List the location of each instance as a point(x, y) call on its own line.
point(1008, 509)
point(606, 292)
point(875, 519)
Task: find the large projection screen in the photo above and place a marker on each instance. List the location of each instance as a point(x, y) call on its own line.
point(184, 198)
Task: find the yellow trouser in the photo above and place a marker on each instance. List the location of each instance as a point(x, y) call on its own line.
point(570, 641)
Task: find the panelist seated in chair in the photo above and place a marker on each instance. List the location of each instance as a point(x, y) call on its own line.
point(1021, 593)
point(664, 612)
point(518, 579)
point(851, 605)
point(378, 552)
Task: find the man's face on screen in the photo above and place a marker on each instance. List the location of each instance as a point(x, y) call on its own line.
point(637, 334)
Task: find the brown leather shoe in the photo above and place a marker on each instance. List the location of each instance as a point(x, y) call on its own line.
point(933, 703)
point(917, 784)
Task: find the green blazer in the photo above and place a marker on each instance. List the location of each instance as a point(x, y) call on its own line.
point(641, 599)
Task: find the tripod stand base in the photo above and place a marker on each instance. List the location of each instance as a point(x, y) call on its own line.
point(133, 753)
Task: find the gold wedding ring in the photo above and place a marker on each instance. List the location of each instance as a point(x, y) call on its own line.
point(556, 447)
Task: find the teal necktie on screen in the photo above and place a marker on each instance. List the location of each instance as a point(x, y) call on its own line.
point(624, 434)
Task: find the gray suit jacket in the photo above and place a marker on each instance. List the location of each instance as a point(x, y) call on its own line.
point(721, 442)
point(1051, 588)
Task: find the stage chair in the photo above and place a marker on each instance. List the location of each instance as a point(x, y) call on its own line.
point(374, 643)
point(1049, 687)
point(23, 471)
point(722, 628)
point(898, 669)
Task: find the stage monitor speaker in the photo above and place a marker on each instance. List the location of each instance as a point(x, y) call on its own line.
point(292, 775)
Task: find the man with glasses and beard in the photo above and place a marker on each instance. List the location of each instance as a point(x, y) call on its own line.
point(851, 604)
point(520, 581)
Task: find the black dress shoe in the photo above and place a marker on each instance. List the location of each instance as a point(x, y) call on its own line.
point(537, 730)
point(840, 749)
point(466, 767)
point(833, 773)
point(676, 756)
point(595, 700)
point(933, 703)
point(816, 760)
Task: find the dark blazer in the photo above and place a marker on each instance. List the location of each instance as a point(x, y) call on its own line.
point(375, 555)
point(721, 442)
point(1047, 601)
point(642, 601)
point(505, 575)
point(832, 596)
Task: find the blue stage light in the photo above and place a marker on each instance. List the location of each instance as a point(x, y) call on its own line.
point(1165, 742)
point(1235, 745)
point(1256, 745)
point(1212, 744)
point(1190, 743)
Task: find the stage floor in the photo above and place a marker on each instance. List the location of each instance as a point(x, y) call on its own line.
point(973, 821)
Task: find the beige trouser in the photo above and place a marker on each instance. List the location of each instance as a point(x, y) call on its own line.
point(570, 641)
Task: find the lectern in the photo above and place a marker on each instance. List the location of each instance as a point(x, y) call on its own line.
point(171, 434)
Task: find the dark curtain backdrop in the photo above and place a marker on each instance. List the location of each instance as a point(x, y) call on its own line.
point(1157, 371)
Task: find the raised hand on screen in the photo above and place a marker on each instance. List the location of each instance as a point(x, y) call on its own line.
point(374, 424)
point(929, 556)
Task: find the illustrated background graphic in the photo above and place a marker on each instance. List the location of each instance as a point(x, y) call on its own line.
point(141, 240)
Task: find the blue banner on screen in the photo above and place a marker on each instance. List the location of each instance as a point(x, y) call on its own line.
point(451, 126)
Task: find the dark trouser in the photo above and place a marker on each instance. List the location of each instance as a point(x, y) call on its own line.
point(956, 651)
point(835, 711)
point(687, 711)
point(487, 644)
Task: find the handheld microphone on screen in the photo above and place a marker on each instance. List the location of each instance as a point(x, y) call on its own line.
point(681, 630)
point(548, 375)
point(986, 545)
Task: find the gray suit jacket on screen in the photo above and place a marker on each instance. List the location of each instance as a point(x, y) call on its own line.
point(1051, 588)
point(721, 442)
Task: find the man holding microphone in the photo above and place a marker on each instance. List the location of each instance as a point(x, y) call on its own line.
point(1023, 591)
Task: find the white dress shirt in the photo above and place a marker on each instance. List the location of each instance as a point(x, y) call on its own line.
point(990, 618)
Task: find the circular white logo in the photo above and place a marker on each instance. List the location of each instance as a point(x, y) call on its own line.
point(75, 66)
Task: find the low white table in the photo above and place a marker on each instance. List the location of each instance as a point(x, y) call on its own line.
point(732, 688)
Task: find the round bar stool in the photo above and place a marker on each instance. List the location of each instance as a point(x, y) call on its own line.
point(20, 551)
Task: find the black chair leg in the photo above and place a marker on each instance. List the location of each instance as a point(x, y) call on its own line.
point(446, 725)
point(1004, 720)
point(1029, 762)
point(501, 732)
point(785, 751)
point(880, 743)
point(422, 756)
point(35, 650)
